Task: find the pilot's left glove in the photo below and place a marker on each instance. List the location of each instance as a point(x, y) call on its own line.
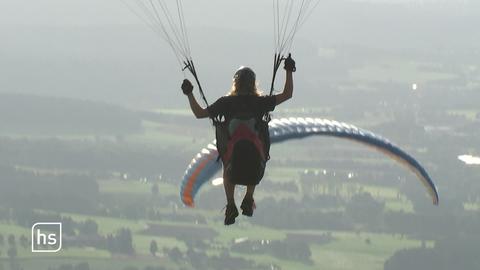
point(187, 87)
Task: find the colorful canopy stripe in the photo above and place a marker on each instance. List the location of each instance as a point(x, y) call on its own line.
point(206, 164)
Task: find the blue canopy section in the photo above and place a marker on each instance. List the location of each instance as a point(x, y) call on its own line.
point(206, 164)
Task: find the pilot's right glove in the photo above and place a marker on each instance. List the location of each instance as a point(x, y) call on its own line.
point(289, 64)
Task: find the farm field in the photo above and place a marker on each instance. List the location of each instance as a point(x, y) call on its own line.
point(346, 250)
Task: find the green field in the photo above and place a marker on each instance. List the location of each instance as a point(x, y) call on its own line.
point(348, 250)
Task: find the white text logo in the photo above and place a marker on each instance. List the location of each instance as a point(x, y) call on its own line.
point(47, 237)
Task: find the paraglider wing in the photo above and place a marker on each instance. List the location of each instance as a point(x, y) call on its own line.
point(202, 168)
point(206, 163)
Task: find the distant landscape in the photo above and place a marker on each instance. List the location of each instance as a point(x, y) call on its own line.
point(105, 154)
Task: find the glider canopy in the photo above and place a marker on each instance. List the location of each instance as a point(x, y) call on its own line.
point(206, 163)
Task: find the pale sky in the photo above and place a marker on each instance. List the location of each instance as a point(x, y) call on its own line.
point(94, 12)
point(98, 49)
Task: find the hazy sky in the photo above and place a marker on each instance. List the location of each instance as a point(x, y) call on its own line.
point(210, 12)
point(92, 12)
point(98, 49)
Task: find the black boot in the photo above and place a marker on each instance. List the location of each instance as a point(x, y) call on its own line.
point(230, 214)
point(248, 205)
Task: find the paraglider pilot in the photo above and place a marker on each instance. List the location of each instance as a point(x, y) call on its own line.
point(242, 134)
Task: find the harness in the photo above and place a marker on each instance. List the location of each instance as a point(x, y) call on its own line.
point(243, 144)
point(252, 129)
